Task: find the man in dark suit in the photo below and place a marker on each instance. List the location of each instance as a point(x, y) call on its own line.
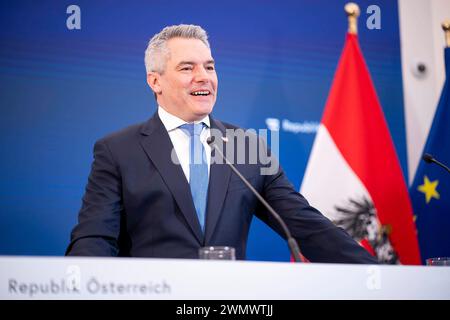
point(155, 191)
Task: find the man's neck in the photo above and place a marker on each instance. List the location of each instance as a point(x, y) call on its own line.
point(172, 121)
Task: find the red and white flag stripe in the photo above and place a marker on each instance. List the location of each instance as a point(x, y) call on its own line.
point(353, 171)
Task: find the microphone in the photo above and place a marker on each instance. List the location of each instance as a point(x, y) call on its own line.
point(292, 243)
point(428, 158)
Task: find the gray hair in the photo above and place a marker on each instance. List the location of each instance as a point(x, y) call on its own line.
point(157, 52)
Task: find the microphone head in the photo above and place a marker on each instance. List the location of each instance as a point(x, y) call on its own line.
point(428, 158)
point(210, 140)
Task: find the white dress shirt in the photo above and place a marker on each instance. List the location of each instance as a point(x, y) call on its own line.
point(180, 140)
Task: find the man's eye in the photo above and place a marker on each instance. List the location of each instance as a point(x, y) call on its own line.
point(210, 68)
point(186, 68)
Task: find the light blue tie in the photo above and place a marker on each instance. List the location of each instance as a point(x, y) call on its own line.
point(198, 170)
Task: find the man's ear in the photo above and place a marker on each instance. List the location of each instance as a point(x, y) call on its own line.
point(153, 80)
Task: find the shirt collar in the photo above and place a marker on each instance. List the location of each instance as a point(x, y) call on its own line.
point(172, 122)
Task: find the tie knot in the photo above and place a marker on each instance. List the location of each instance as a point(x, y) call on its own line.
point(193, 128)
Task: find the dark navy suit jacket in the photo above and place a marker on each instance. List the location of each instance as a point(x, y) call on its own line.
point(138, 203)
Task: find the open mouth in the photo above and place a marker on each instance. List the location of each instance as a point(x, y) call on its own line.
point(201, 93)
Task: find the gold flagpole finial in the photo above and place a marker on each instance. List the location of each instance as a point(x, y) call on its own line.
point(352, 11)
point(446, 28)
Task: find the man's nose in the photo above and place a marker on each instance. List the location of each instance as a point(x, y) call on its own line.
point(201, 74)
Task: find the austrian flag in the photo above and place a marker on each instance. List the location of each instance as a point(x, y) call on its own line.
point(353, 174)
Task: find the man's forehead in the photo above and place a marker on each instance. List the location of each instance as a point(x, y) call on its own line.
point(188, 49)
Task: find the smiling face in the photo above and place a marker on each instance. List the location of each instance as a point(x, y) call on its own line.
point(188, 86)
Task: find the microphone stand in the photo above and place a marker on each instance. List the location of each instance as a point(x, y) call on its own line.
point(292, 243)
point(428, 158)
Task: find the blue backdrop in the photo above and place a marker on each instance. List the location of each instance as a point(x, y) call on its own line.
point(61, 90)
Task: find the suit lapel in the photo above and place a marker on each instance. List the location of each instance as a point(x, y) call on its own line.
point(156, 143)
point(219, 178)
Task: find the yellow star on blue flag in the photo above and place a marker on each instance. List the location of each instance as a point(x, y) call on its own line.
point(429, 189)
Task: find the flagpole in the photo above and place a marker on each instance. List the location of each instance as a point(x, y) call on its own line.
point(352, 11)
point(446, 28)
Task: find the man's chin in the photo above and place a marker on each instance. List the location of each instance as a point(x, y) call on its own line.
point(203, 111)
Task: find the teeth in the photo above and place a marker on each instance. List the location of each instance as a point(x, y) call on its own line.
point(200, 93)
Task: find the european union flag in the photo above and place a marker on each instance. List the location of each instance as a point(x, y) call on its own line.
point(430, 191)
